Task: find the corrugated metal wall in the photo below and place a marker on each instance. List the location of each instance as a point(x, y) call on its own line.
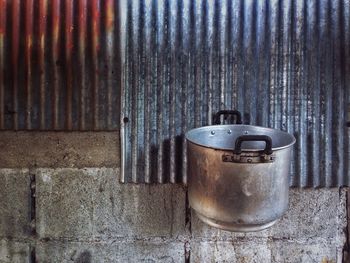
point(285, 64)
point(59, 65)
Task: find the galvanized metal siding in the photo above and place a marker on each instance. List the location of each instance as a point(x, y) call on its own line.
point(59, 64)
point(285, 64)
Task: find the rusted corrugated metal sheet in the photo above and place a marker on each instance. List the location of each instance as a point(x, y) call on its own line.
point(59, 65)
point(285, 64)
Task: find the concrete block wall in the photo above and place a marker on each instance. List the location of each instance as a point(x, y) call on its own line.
point(56, 208)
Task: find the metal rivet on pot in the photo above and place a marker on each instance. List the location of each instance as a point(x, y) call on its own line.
point(245, 132)
point(212, 132)
point(229, 131)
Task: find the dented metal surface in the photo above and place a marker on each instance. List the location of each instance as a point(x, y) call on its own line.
point(285, 64)
point(244, 195)
point(59, 65)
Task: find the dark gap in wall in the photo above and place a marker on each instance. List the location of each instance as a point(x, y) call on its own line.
point(32, 258)
point(188, 215)
point(32, 204)
point(346, 248)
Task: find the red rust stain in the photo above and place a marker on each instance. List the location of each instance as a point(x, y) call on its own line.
point(95, 6)
point(15, 34)
point(82, 23)
point(56, 27)
point(2, 17)
point(109, 14)
point(42, 22)
point(29, 29)
point(69, 28)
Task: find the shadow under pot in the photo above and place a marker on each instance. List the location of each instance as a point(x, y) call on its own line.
point(238, 175)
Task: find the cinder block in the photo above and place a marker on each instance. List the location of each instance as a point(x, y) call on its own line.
point(217, 252)
point(14, 203)
point(136, 251)
point(14, 252)
point(139, 210)
point(65, 202)
point(312, 214)
point(85, 204)
point(295, 253)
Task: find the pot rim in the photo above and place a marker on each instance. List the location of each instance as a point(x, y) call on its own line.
point(232, 126)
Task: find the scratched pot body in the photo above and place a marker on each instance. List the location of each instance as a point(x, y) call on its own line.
point(244, 190)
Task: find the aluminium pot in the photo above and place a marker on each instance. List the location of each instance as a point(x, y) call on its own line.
point(238, 175)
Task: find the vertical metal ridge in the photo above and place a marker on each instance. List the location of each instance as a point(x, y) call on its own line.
point(68, 61)
point(315, 94)
point(346, 60)
point(95, 6)
point(43, 4)
point(109, 25)
point(303, 98)
point(140, 92)
point(328, 93)
point(15, 54)
point(56, 28)
point(339, 109)
point(82, 27)
point(3, 9)
point(148, 94)
point(28, 57)
point(172, 101)
point(132, 73)
point(240, 55)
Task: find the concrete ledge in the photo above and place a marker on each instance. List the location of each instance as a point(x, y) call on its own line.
point(59, 149)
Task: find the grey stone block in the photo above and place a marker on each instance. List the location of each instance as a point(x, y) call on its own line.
point(137, 251)
point(85, 204)
point(14, 252)
point(313, 214)
point(295, 253)
point(139, 210)
point(64, 203)
point(220, 252)
point(14, 203)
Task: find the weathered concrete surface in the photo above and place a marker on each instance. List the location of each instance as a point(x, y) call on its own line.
point(59, 149)
point(85, 204)
point(14, 252)
point(86, 214)
point(265, 250)
point(137, 251)
point(14, 203)
point(293, 252)
point(218, 251)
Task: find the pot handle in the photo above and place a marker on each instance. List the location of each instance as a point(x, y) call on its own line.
point(263, 138)
point(216, 118)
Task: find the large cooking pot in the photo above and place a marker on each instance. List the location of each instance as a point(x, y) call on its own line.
point(238, 174)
